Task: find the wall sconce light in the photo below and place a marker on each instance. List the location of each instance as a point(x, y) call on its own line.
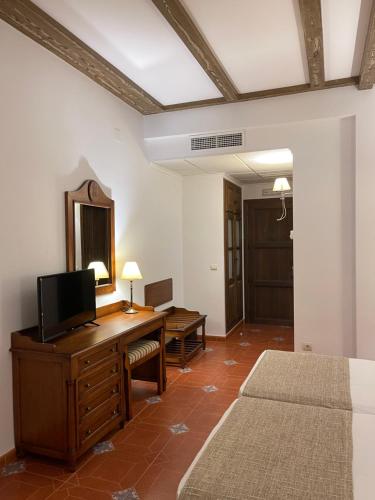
point(281, 185)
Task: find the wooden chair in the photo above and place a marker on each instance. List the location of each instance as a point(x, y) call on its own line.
point(144, 360)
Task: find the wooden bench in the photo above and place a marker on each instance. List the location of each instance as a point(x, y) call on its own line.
point(181, 334)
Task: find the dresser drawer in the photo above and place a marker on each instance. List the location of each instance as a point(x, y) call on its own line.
point(98, 397)
point(86, 361)
point(100, 417)
point(88, 384)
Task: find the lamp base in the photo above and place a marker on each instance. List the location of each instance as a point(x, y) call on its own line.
point(131, 311)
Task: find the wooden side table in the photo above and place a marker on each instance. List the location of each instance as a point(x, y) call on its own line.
point(182, 342)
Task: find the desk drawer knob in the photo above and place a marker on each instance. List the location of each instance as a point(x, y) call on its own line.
point(88, 432)
point(114, 370)
point(114, 390)
point(88, 385)
point(87, 362)
point(114, 412)
point(113, 349)
point(88, 409)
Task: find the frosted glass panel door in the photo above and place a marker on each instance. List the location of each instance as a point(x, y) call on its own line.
point(230, 253)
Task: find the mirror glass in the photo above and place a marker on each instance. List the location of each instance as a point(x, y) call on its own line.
point(93, 241)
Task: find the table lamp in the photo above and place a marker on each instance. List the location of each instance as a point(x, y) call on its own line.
point(101, 271)
point(131, 272)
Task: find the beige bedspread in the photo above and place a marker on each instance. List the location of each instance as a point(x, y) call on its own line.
point(303, 378)
point(273, 450)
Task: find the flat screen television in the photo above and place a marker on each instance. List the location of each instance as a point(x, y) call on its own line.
point(65, 301)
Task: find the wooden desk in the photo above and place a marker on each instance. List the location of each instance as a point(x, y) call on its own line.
point(69, 393)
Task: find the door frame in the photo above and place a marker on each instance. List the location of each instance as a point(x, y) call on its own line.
point(247, 269)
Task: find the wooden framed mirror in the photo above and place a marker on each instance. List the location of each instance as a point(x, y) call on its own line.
point(90, 234)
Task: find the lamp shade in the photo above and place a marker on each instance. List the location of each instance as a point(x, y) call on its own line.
point(281, 184)
point(101, 271)
point(131, 272)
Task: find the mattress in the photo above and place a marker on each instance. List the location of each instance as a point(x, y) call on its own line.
point(362, 384)
point(363, 464)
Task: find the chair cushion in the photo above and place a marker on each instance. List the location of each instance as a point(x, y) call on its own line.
point(141, 348)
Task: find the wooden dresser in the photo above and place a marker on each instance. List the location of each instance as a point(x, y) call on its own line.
point(69, 393)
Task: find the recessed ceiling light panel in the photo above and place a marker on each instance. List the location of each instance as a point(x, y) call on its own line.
point(274, 157)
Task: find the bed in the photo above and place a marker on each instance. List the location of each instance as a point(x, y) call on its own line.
point(273, 447)
point(361, 381)
point(363, 461)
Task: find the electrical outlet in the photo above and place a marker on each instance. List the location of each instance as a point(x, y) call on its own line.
point(307, 347)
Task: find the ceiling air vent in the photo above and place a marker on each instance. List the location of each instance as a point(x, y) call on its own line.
point(216, 141)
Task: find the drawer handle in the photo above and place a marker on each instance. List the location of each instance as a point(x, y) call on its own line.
point(113, 349)
point(114, 412)
point(88, 409)
point(114, 370)
point(87, 362)
point(114, 390)
point(88, 432)
point(88, 385)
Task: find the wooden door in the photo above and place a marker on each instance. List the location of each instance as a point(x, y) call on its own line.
point(268, 252)
point(233, 254)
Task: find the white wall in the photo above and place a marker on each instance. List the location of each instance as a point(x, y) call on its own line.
point(57, 129)
point(324, 207)
point(203, 245)
point(336, 103)
point(255, 191)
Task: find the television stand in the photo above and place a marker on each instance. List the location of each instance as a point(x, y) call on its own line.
point(91, 323)
point(70, 392)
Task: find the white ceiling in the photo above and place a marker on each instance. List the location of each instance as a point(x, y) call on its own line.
point(256, 41)
point(133, 36)
point(259, 166)
point(259, 42)
point(343, 42)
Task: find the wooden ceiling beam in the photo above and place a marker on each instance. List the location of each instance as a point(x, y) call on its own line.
point(311, 17)
point(264, 94)
point(177, 16)
point(367, 73)
point(35, 23)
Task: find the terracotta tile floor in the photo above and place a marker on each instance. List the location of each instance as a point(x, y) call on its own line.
point(148, 460)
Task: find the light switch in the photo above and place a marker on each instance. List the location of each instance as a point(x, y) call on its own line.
point(213, 267)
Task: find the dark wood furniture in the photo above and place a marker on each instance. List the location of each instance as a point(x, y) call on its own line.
point(268, 262)
point(70, 393)
point(181, 337)
point(182, 341)
point(149, 367)
point(90, 231)
point(159, 292)
point(233, 254)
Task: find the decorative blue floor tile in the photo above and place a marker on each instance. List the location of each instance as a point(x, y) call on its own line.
point(208, 349)
point(185, 370)
point(14, 468)
point(278, 339)
point(230, 362)
point(129, 494)
point(153, 400)
point(244, 344)
point(103, 447)
point(209, 388)
point(179, 428)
